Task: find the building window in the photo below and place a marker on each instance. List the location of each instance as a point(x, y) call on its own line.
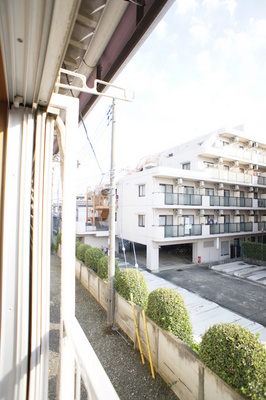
point(209, 192)
point(141, 221)
point(186, 166)
point(225, 248)
point(188, 189)
point(208, 164)
point(141, 190)
point(166, 188)
point(188, 219)
point(165, 220)
point(224, 143)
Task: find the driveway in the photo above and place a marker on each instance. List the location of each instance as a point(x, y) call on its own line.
point(241, 296)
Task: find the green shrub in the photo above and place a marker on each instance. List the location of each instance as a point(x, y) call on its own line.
point(81, 250)
point(102, 268)
point(167, 309)
point(92, 256)
point(58, 238)
point(238, 357)
point(256, 251)
point(78, 243)
point(132, 281)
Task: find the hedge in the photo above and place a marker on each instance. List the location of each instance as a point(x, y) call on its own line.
point(253, 250)
point(167, 309)
point(238, 357)
point(132, 281)
point(81, 250)
point(102, 267)
point(92, 256)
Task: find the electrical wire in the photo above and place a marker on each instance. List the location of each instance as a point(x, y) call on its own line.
point(84, 126)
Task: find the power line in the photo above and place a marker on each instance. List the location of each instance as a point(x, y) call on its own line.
point(84, 126)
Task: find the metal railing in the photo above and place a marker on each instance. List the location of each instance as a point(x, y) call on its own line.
point(182, 199)
point(222, 201)
point(233, 227)
point(262, 226)
point(261, 180)
point(182, 230)
point(261, 202)
point(88, 369)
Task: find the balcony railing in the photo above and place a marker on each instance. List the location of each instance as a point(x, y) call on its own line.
point(221, 201)
point(261, 202)
point(262, 226)
point(181, 199)
point(182, 230)
point(262, 180)
point(233, 227)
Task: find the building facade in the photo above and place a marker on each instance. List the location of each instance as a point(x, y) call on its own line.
point(201, 199)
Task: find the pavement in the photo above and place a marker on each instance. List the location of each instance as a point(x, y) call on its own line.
point(213, 295)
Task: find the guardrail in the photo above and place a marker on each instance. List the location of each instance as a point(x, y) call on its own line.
point(88, 368)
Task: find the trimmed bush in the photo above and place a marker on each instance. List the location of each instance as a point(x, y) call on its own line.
point(167, 309)
point(238, 357)
point(78, 243)
point(102, 268)
point(132, 281)
point(58, 239)
point(92, 256)
point(256, 251)
point(81, 250)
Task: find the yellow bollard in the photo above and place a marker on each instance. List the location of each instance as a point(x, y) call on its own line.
point(148, 343)
point(137, 331)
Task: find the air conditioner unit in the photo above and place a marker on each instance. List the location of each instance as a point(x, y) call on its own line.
point(256, 167)
point(236, 163)
point(256, 190)
point(236, 188)
point(251, 212)
point(255, 144)
point(220, 160)
point(221, 212)
point(202, 212)
point(220, 186)
point(250, 189)
point(180, 181)
point(250, 143)
point(236, 139)
point(236, 212)
point(180, 212)
point(250, 166)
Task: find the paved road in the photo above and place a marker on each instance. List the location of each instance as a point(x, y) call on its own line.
point(240, 296)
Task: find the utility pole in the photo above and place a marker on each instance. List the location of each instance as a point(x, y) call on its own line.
point(120, 95)
point(111, 250)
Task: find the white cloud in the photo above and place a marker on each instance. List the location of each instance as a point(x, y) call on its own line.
point(230, 5)
point(200, 34)
point(186, 6)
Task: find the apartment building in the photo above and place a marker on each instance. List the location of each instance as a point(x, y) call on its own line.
point(202, 198)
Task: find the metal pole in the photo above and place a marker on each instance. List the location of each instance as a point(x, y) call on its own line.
point(111, 250)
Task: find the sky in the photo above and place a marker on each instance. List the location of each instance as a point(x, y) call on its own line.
point(203, 67)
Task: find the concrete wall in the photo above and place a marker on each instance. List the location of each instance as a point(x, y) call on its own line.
point(177, 364)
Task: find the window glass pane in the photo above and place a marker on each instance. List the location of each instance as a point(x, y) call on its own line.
point(189, 190)
point(225, 248)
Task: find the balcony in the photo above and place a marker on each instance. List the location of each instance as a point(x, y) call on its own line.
point(234, 227)
point(221, 201)
point(262, 203)
point(262, 180)
point(181, 199)
point(182, 230)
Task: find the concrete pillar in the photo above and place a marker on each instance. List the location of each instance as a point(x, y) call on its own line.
point(152, 254)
